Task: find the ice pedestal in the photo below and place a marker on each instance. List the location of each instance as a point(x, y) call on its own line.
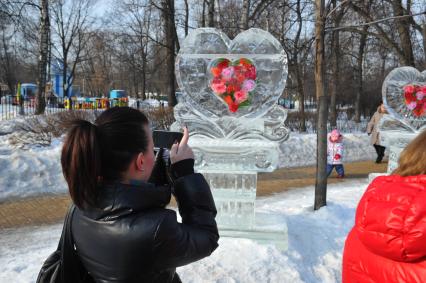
point(230, 168)
point(396, 135)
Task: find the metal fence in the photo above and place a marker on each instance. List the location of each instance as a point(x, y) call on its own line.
point(12, 106)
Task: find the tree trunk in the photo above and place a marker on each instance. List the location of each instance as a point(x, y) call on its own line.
point(64, 75)
point(298, 66)
point(301, 91)
point(40, 103)
point(136, 83)
point(335, 45)
point(360, 60)
point(203, 16)
point(321, 174)
point(143, 83)
point(335, 78)
point(424, 44)
point(404, 33)
point(186, 17)
point(210, 19)
point(245, 15)
point(9, 69)
point(169, 21)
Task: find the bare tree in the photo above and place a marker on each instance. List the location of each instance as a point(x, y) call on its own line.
point(135, 39)
point(168, 14)
point(71, 25)
point(335, 58)
point(8, 62)
point(321, 175)
point(203, 14)
point(359, 70)
point(403, 26)
point(245, 15)
point(96, 73)
point(297, 47)
point(44, 37)
point(210, 18)
point(401, 45)
point(186, 17)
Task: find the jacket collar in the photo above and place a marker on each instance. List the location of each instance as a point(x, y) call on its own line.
point(118, 199)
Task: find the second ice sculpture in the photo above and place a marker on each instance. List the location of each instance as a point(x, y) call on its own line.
point(230, 90)
point(404, 95)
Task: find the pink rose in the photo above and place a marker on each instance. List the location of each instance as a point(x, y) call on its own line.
point(409, 89)
point(240, 96)
point(218, 88)
point(420, 94)
point(422, 89)
point(249, 85)
point(412, 105)
point(227, 73)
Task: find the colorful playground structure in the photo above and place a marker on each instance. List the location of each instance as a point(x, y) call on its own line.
point(116, 98)
point(94, 102)
point(57, 98)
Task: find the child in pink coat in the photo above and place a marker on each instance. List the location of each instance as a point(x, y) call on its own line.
point(335, 153)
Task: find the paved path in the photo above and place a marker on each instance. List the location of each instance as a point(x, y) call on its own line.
point(51, 209)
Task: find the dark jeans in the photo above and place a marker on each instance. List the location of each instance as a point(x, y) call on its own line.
point(339, 169)
point(380, 152)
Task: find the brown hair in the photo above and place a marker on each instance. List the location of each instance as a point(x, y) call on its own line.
point(380, 110)
point(101, 151)
point(413, 158)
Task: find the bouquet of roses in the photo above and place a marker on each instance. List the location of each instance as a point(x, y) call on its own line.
point(415, 99)
point(234, 81)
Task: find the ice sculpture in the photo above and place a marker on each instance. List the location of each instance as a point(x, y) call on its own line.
point(404, 95)
point(229, 103)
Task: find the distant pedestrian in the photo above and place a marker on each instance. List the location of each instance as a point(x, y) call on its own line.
point(373, 130)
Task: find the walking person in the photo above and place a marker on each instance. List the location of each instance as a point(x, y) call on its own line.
point(373, 131)
point(335, 154)
point(387, 242)
point(121, 227)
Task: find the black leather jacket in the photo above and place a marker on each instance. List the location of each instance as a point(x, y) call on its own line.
point(132, 237)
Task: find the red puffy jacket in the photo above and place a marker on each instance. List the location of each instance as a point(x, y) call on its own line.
point(388, 241)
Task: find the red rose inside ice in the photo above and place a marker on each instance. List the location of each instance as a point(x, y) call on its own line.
point(415, 99)
point(233, 82)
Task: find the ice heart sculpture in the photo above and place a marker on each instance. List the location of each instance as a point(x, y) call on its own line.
point(234, 82)
point(256, 50)
point(404, 94)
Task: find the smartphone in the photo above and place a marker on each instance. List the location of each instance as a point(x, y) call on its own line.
point(165, 139)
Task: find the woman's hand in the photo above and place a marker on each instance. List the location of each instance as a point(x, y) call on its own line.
point(181, 151)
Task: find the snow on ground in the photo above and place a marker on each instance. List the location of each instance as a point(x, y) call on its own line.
point(38, 170)
point(314, 255)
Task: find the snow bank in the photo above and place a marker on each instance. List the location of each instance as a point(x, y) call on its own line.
point(37, 171)
point(30, 172)
point(301, 149)
point(316, 241)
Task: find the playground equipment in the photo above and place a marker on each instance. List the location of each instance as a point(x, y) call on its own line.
point(94, 102)
point(26, 92)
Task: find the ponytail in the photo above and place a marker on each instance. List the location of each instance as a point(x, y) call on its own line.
point(102, 151)
point(81, 162)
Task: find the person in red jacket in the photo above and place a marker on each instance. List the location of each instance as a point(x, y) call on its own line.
point(388, 242)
